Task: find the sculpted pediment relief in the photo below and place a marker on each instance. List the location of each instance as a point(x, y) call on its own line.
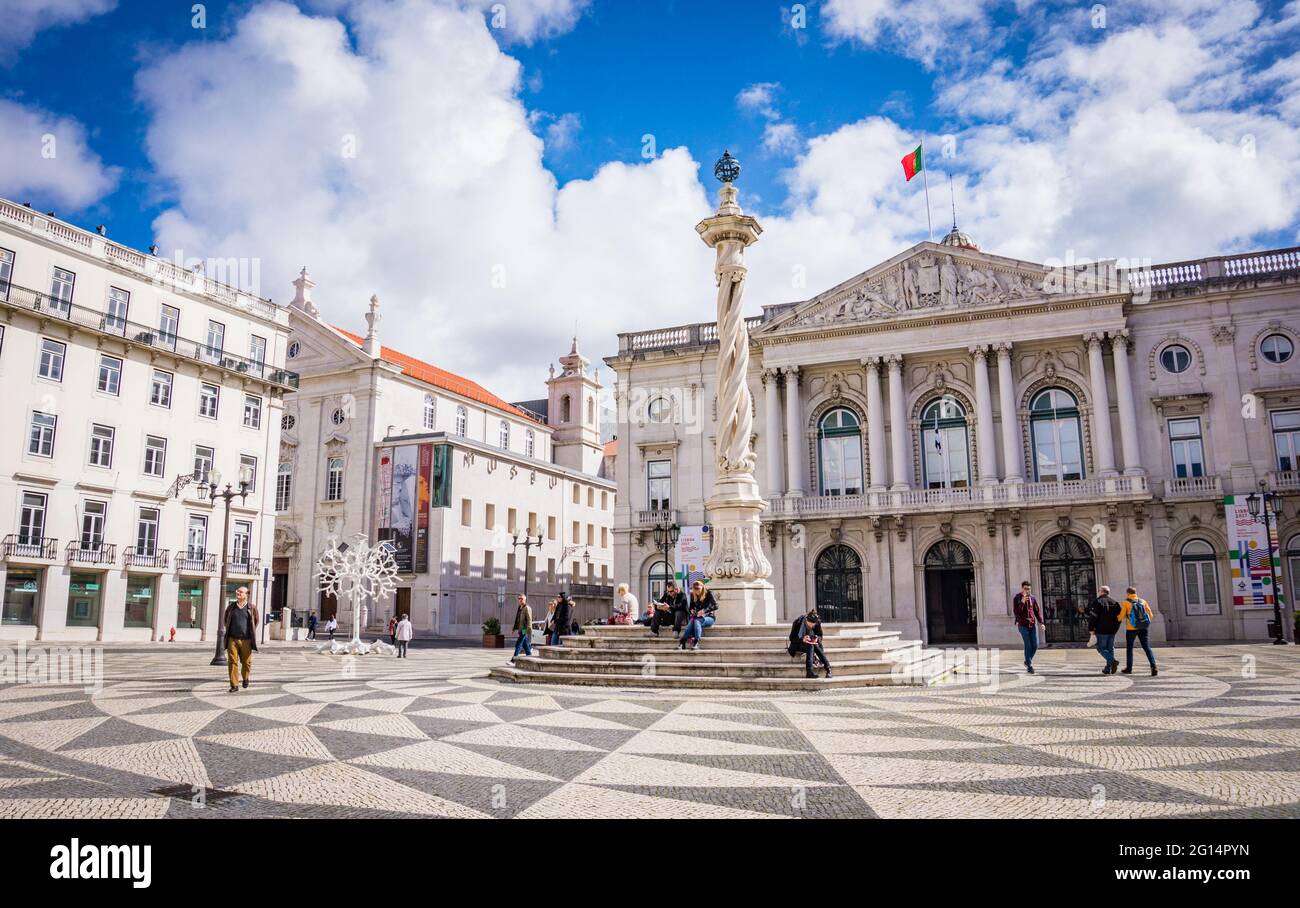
point(924, 283)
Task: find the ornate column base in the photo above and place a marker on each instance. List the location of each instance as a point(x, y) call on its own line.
point(737, 568)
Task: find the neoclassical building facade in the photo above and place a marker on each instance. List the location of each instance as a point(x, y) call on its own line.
point(948, 423)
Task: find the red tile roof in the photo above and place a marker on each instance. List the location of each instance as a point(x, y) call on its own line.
point(439, 378)
point(611, 448)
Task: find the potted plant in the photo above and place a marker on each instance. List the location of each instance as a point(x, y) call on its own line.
point(492, 636)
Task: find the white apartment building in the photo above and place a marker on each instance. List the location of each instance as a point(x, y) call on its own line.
point(948, 423)
point(126, 379)
point(378, 442)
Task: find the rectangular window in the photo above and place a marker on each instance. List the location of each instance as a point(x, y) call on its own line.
point(110, 374)
point(464, 562)
point(489, 517)
point(512, 517)
point(61, 284)
point(550, 527)
point(248, 463)
point(84, 595)
point(196, 537)
point(1286, 439)
point(160, 390)
point(489, 567)
point(510, 567)
point(334, 479)
point(101, 446)
point(209, 397)
point(119, 303)
point(283, 486)
point(169, 326)
point(604, 537)
point(41, 440)
point(22, 592)
point(139, 601)
point(189, 602)
point(92, 524)
point(241, 543)
point(155, 455)
point(466, 512)
point(146, 532)
point(533, 527)
point(577, 494)
point(604, 501)
point(577, 532)
point(1186, 447)
point(659, 478)
point(257, 352)
point(50, 364)
point(216, 341)
point(202, 462)
point(591, 498)
point(252, 411)
point(31, 520)
point(1201, 587)
point(550, 570)
point(6, 272)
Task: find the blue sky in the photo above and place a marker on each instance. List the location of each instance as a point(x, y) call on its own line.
point(1158, 130)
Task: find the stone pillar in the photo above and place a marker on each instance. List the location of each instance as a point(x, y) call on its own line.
point(875, 424)
point(1012, 461)
point(984, 417)
point(899, 434)
point(794, 431)
point(773, 447)
point(1102, 447)
point(736, 565)
point(1124, 398)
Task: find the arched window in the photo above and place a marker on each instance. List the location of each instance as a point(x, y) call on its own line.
point(530, 443)
point(1200, 578)
point(839, 449)
point(839, 584)
point(566, 409)
point(1277, 348)
point(430, 411)
point(503, 436)
point(283, 486)
point(334, 479)
point(659, 577)
point(945, 453)
point(660, 409)
point(1056, 435)
point(462, 418)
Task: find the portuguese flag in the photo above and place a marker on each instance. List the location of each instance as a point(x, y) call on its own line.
point(912, 164)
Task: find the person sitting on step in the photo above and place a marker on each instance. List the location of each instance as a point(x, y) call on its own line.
point(700, 609)
point(809, 634)
point(672, 604)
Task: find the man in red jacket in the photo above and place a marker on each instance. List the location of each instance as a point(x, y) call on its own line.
point(1029, 615)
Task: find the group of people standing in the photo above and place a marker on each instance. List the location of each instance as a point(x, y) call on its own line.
point(1105, 618)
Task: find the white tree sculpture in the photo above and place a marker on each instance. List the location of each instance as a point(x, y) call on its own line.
point(357, 571)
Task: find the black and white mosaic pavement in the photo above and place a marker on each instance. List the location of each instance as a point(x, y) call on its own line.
point(1216, 735)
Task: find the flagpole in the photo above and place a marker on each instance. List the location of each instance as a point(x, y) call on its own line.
point(925, 177)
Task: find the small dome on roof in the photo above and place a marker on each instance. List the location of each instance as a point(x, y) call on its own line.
point(956, 238)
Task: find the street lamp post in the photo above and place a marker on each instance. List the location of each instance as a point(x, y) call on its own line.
point(666, 536)
point(1266, 507)
point(209, 488)
point(529, 544)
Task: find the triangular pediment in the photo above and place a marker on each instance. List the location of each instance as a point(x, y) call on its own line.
point(321, 348)
point(925, 280)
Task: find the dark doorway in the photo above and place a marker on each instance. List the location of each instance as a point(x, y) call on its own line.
point(1069, 583)
point(279, 591)
point(839, 584)
point(950, 607)
point(403, 602)
point(329, 607)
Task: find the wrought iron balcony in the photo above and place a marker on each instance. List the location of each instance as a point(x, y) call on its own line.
point(246, 567)
point(93, 553)
point(195, 562)
point(146, 558)
point(20, 547)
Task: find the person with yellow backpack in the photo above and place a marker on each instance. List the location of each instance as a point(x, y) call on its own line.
point(1135, 614)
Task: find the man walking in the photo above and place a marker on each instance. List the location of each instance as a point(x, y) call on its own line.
point(672, 604)
point(523, 627)
point(1029, 615)
point(1136, 615)
point(241, 638)
point(561, 622)
point(311, 626)
point(1103, 620)
point(402, 635)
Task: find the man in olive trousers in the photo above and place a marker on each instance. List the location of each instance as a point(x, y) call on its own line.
point(241, 638)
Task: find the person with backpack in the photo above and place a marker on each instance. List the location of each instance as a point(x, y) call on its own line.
point(1029, 615)
point(1136, 615)
point(1103, 620)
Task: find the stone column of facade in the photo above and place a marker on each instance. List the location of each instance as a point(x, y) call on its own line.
point(1103, 448)
point(875, 423)
point(899, 433)
point(736, 564)
point(773, 447)
point(793, 431)
point(1124, 398)
point(1012, 462)
point(984, 417)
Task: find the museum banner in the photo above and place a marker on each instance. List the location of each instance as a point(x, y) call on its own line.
point(1248, 555)
point(693, 547)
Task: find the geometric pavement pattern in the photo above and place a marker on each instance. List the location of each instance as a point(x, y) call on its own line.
point(1217, 734)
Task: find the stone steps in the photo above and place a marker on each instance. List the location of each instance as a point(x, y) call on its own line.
point(734, 657)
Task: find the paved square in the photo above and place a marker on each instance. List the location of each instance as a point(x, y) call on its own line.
point(1216, 735)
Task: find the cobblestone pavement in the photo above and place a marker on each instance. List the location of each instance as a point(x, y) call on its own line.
point(1217, 734)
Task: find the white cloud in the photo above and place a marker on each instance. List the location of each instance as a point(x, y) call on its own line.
point(22, 20)
point(531, 20)
point(760, 98)
point(47, 159)
point(921, 29)
point(562, 132)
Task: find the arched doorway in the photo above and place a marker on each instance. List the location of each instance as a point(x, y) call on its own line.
point(839, 584)
point(950, 607)
point(1069, 583)
point(658, 580)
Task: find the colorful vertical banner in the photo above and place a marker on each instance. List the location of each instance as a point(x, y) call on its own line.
point(383, 492)
point(422, 497)
point(1249, 546)
point(693, 546)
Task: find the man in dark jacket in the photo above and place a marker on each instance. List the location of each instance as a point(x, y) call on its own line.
point(1029, 615)
point(806, 637)
point(562, 619)
point(672, 604)
point(1103, 620)
point(241, 638)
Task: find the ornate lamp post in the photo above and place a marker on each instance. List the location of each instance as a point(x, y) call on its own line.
point(736, 563)
point(1266, 507)
point(209, 488)
point(529, 544)
point(666, 536)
